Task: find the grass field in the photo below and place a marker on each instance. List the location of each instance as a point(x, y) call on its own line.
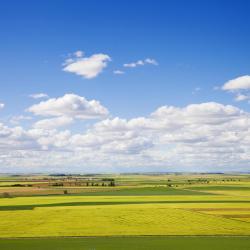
point(190, 210)
point(124, 243)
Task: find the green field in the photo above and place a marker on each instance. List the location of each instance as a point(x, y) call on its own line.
point(124, 243)
point(171, 216)
point(220, 187)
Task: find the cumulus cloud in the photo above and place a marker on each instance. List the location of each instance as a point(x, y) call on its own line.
point(239, 83)
point(53, 123)
point(141, 63)
point(16, 138)
point(87, 67)
point(240, 87)
point(198, 137)
point(70, 105)
point(39, 96)
point(241, 97)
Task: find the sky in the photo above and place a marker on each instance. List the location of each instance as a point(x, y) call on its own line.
point(124, 86)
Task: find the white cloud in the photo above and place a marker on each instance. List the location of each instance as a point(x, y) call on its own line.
point(17, 119)
point(16, 138)
point(87, 67)
point(240, 87)
point(239, 83)
point(141, 63)
point(53, 123)
point(193, 136)
point(130, 65)
point(241, 97)
point(118, 72)
point(70, 105)
point(2, 105)
point(199, 137)
point(39, 96)
point(151, 61)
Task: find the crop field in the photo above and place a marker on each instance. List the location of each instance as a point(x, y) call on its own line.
point(124, 243)
point(112, 209)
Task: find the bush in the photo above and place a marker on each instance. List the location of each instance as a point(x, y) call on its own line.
point(108, 179)
point(57, 184)
point(18, 185)
point(112, 183)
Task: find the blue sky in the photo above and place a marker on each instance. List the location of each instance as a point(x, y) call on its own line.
point(198, 46)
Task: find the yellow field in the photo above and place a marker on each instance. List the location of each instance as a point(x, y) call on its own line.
point(128, 219)
point(71, 199)
point(217, 208)
point(110, 220)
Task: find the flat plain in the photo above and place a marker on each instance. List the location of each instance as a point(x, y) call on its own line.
point(103, 211)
